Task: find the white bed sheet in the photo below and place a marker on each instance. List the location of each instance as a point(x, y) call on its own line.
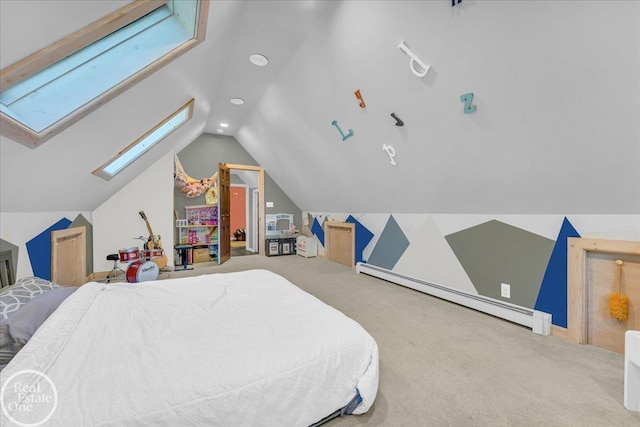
point(236, 349)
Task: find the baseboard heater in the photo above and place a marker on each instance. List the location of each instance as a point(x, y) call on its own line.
point(538, 321)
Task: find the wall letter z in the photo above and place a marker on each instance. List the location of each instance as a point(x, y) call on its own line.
point(467, 98)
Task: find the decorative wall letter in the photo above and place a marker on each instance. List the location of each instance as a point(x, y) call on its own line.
point(414, 60)
point(467, 98)
point(453, 2)
point(398, 121)
point(359, 96)
point(344, 137)
point(391, 152)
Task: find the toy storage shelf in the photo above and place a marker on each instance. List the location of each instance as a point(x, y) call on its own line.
point(200, 229)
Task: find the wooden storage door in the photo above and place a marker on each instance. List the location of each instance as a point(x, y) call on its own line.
point(340, 242)
point(601, 272)
point(592, 277)
point(69, 256)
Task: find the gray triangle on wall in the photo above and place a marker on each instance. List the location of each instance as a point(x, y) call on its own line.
point(79, 221)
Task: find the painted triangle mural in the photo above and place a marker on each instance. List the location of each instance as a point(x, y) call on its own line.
point(39, 250)
point(317, 229)
point(363, 237)
point(494, 253)
point(390, 246)
point(552, 297)
point(430, 258)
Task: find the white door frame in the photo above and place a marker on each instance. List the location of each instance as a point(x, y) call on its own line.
point(260, 171)
point(253, 224)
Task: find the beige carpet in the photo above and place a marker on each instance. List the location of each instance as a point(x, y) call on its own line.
point(239, 248)
point(445, 365)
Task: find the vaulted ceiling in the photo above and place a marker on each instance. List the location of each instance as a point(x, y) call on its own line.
point(57, 175)
point(556, 86)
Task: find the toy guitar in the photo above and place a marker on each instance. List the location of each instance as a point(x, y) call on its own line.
point(154, 242)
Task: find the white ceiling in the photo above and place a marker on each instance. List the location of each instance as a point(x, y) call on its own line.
point(57, 175)
point(556, 86)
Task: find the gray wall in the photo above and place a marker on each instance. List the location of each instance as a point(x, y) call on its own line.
point(200, 159)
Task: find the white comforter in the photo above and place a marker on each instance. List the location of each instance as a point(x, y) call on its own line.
point(236, 349)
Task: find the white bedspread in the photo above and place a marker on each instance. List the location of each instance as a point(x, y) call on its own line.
point(236, 349)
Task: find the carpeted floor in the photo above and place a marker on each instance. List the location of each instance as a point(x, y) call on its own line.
point(446, 365)
point(238, 248)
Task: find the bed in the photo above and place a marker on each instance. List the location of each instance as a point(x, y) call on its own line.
point(236, 349)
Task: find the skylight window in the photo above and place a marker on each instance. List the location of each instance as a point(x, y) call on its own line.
point(140, 146)
point(62, 87)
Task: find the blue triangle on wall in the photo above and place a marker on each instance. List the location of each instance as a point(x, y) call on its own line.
point(39, 250)
point(363, 237)
point(316, 229)
point(390, 246)
point(552, 297)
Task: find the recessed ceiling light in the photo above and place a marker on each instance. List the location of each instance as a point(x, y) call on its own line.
point(237, 101)
point(259, 60)
point(224, 125)
point(220, 130)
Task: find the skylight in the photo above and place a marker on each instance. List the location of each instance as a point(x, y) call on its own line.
point(126, 156)
point(65, 88)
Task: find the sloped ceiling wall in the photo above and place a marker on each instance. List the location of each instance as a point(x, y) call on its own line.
point(556, 129)
point(57, 175)
point(556, 87)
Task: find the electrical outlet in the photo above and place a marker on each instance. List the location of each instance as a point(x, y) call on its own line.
point(505, 290)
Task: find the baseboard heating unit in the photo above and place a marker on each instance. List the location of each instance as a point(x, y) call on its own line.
point(538, 321)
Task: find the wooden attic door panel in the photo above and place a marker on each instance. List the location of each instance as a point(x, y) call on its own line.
point(603, 330)
point(69, 256)
point(591, 278)
point(224, 213)
point(340, 242)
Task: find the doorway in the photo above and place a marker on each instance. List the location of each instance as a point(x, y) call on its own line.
point(241, 191)
point(253, 178)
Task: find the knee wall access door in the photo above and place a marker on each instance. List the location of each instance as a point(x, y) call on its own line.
point(340, 242)
point(592, 277)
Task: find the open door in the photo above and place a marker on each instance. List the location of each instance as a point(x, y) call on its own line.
point(224, 213)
